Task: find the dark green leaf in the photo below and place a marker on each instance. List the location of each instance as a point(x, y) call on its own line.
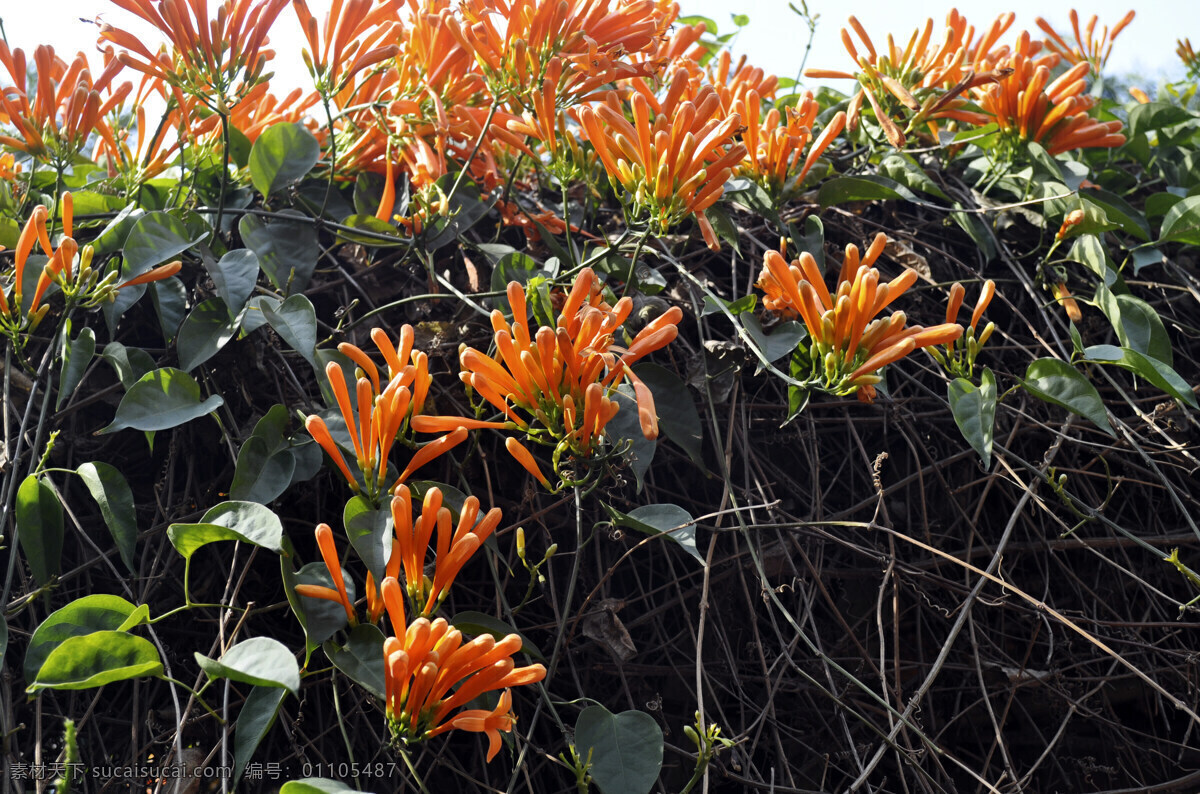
point(111, 492)
point(206, 330)
point(260, 661)
point(1153, 370)
point(160, 400)
point(625, 427)
point(130, 363)
point(287, 250)
point(234, 277)
point(783, 338)
point(113, 237)
point(170, 302)
point(473, 624)
point(260, 474)
point(662, 519)
point(284, 153)
point(245, 521)
point(1057, 382)
point(295, 320)
point(40, 528)
point(902, 168)
point(626, 749)
point(371, 232)
point(1089, 250)
point(370, 532)
point(253, 722)
point(361, 659)
point(321, 619)
point(676, 410)
point(155, 238)
point(745, 303)
point(841, 189)
point(76, 357)
point(1136, 323)
point(97, 659)
point(1120, 212)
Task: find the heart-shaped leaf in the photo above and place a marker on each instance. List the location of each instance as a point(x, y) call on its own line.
point(160, 400)
point(97, 659)
point(261, 661)
point(626, 749)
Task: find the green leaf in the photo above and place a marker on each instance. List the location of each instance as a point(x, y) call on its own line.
point(321, 619)
point(287, 250)
point(251, 317)
point(842, 189)
point(1089, 250)
point(1181, 224)
point(784, 338)
point(316, 785)
point(205, 331)
point(169, 297)
point(234, 277)
point(96, 659)
point(474, 624)
point(260, 661)
point(676, 410)
point(245, 521)
point(626, 749)
point(1153, 370)
point(160, 400)
point(662, 519)
point(253, 721)
point(1136, 323)
point(1155, 116)
point(76, 357)
point(110, 490)
point(625, 427)
point(268, 462)
point(974, 411)
point(40, 528)
point(155, 238)
point(377, 233)
point(902, 168)
point(361, 659)
point(295, 320)
point(746, 303)
point(1057, 382)
point(130, 363)
point(1120, 212)
point(79, 618)
point(370, 532)
point(113, 236)
point(284, 153)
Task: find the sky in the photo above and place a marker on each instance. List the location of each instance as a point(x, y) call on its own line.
point(774, 39)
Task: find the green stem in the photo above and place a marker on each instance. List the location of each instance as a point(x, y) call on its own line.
point(633, 262)
point(195, 695)
point(224, 172)
point(332, 155)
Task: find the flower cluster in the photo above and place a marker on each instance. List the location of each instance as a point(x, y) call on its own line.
point(382, 411)
point(909, 90)
point(1087, 47)
point(959, 359)
point(850, 343)
point(65, 266)
point(556, 384)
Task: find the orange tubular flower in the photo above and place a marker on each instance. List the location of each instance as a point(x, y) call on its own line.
point(775, 147)
point(1027, 106)
point(338, 593)
point(357, 35)
point(909, 90)
point(848, 343)
point(67, 105)
point(453, 549)
point(960, 361)
point(1087, 47)
point(1188, 55)
point(562, 377)
point(384, 411)
point(429, 671)
point(674, 165)
point(217, 60)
